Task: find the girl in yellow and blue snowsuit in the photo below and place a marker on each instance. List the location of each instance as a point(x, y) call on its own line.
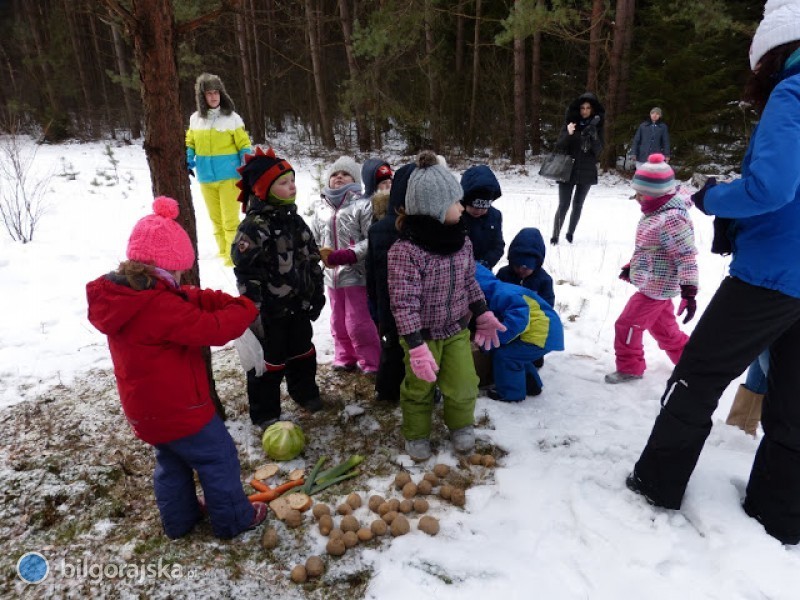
point(216, 143)
point(532, 330)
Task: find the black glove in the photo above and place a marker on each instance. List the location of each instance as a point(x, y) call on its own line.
point(625, 273)
point(688, 302)
point(698, 196)
point(191, 172)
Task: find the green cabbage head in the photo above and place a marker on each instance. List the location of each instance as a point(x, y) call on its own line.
point(283, 440)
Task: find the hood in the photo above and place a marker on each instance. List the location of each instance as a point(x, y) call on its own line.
point(527, 249)
point(397, 195)
point(208, 81)
point(479, 182)
point(368, 171)
point(112, 305)
point(380, 204)
point(487, 281)
point(573, 114)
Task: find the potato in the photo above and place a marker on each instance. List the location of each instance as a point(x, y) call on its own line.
point(384, 508)
point(394, 504)
point(379, 527)
point(349, 523)
point(429, 525)
point(475, 459)
point(401, 479)
point(350, 539)
point(390, 516)
point(400, 526)
point(293, 518)
point(488, 461)
point(364, 534)
point(270, 539)
point(409, 490)
point(458, 497)
point(424, 488)
point(336, 533)
point(354, 500)
point(441, 470)
point(298, 574)
point(432, 477)
point(314, 566)
point(319, 510)
point(325, 524)
point(344, 509)
point(335, 547)
point(374, 502)
point(445, 491)
point(406, 506)
point(420, 505)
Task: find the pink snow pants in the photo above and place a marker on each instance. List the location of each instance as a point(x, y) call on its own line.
point(641, 314)
point(355, 336)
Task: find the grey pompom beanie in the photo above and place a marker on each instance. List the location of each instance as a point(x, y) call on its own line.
point(432, 189)
point(348, 165)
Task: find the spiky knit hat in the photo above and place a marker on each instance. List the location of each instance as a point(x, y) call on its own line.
point(259, 172)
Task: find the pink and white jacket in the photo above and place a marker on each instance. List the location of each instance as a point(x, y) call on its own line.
point(664, 256)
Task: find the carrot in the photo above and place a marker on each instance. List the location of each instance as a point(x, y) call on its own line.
point(259, 486)
point(273, 493)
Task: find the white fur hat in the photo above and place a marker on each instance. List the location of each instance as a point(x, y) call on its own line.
point(781, 25)
point(348, 165)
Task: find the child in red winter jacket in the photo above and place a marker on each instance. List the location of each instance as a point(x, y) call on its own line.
point(156, 333)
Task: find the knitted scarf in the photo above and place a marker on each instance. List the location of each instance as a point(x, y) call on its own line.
point(431, 235)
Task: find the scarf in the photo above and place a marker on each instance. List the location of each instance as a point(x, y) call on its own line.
point(337, 197)
point(650, 204)
point(165, 276)
point(431, 235)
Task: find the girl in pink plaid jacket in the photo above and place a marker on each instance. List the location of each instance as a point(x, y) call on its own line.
point(663, 266)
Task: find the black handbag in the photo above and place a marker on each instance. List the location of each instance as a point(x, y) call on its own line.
point(557, 166)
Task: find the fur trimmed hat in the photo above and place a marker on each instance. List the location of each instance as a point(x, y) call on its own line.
point(780, 25)
point(158, 240)
point(209, 82)
point(480, 186)
point(259, 171)
point(432, 189)
point(655, 178)
point(346, 164)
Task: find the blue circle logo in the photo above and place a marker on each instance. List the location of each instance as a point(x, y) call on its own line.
point(32, 567)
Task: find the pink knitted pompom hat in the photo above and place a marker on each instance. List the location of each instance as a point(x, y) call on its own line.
point(655, 178)
point(158, 240)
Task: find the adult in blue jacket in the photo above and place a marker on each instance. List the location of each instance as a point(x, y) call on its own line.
point(532, 330)
point(484, 222)
point(651, 137)
point(525, 259)
point(756, 307)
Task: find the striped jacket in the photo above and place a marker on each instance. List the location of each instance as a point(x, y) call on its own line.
point(664, 256)
point(431, 292)
point(216, 145)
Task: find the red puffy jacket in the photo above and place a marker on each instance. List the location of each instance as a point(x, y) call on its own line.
point(156, 338)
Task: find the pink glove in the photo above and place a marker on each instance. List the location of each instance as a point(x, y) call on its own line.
point(486, 332)
point(342, 257)
point(423, 363)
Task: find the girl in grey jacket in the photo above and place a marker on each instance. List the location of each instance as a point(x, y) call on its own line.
point(340, 224)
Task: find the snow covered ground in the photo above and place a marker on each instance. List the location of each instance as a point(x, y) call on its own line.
point(558, 522)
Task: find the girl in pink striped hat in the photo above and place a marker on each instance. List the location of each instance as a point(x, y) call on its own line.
point(663, 265)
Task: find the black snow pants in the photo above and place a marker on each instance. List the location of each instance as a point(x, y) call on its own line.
point(739, 323)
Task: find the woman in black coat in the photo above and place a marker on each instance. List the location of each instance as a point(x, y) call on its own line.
point(582, 139)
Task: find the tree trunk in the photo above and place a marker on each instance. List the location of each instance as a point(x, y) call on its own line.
point(518, 145)
point(122, 69)
point(625, 69)
point(135, 133)
point(615, 71)
point(433, 87)
point(476, 64)
point(312, 18)
point(594, 44)
point(460, 38)
point(536, 90)
point(152, 25)
point(258, 95)
point(69, 12)
point(362, 130)
point(244, 61)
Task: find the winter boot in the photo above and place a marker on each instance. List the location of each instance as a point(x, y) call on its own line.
point(418, 450)
point(260, 514)
point(746, 410)
point(463, 439)
point(618, 377)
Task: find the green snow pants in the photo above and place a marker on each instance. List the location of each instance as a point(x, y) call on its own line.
point(456, 380)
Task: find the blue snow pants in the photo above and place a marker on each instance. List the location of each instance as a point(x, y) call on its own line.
point(511, 363)
point(212, 453)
